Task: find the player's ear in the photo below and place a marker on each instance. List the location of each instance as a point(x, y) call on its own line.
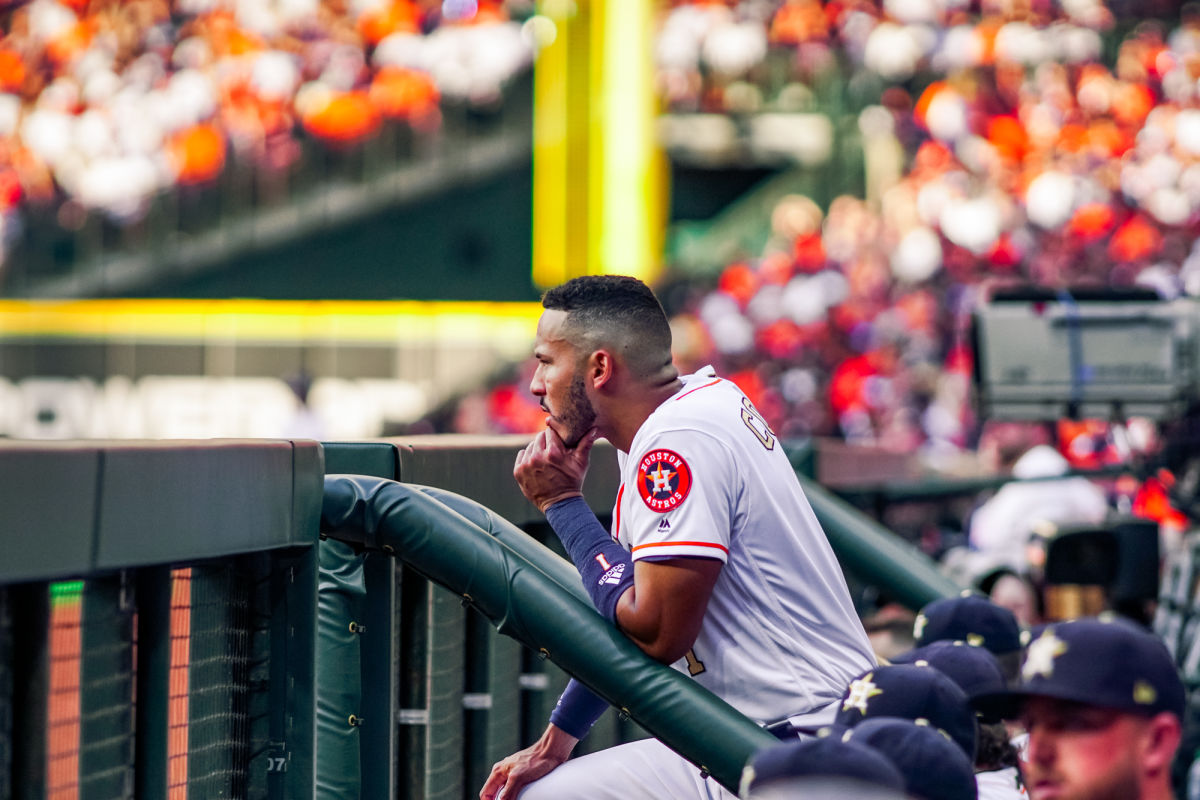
point(1163, 737)
point(600, 368)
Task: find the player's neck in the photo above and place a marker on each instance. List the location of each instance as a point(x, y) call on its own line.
point(630, 410)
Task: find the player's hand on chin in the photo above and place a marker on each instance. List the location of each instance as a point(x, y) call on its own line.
point(548, 471)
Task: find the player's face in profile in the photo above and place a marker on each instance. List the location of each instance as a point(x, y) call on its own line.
point(1079, 752)
point(558, 381)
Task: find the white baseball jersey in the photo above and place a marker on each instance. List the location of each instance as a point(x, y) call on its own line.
point(705, 476)
point(1000, 784)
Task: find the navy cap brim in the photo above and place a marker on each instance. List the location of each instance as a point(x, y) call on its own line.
point(998, 706)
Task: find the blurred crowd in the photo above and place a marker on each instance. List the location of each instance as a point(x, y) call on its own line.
point(1023, 155)
point(1006, 142)
point(104, 103)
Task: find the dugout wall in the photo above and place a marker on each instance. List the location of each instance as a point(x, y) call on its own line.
point(172, 626)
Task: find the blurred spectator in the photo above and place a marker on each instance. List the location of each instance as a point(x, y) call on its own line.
point(304, 422)
point(1015, 592)
point(1030, 159)
point(1004, 525)
point(890, 631)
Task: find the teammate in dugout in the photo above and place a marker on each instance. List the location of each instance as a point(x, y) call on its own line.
point(716, 563)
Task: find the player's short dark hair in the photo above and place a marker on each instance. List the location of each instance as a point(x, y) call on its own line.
point(615, 310)
point(995, 751)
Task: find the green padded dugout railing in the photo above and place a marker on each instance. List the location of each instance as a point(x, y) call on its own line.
point(158, 618)
point(876, 555)
point(459, 695)
point(515, 593)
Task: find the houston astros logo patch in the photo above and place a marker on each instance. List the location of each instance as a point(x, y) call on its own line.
point(664, 480)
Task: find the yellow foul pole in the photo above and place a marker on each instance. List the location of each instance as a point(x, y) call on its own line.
point(599, 175)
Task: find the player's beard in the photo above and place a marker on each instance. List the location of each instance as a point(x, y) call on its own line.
point(1118, 782)
point(1119, 787)
point(577, 415)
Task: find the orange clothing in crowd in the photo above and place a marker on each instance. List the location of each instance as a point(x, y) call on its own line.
point(347, 118)
point(197, 153)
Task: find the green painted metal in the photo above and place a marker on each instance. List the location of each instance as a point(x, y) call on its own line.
point(480, 467)
point(31, 476)
point(379, 661)
point(218, 498)
point(31, 682)
point(153, 680)
point(341, 594)
point(106, 736)
point(380, 459)
point(444, 672)
point(288, 762)
point(7, 657)
point(523, 602)
point(875, 554)
point(412, 717)
point(377, 638)
point(503, 727)
point(244, 514)
point(477, 701)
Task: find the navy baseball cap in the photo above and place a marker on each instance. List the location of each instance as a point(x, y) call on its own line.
point(970, 618)
point(915, 693)
point(934, 768)
point(974, 669)
point(1104, 661)
point(819, 758)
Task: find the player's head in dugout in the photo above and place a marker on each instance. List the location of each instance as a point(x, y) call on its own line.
point(602, 339)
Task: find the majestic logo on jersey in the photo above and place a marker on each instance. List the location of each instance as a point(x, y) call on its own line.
point(664, 524)
point(664, 480)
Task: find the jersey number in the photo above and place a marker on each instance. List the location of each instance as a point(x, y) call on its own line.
point(757, 425)
point(695, 665)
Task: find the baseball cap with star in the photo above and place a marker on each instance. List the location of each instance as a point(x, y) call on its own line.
point(971, 618)
point(1104, 661)
point(915, 693)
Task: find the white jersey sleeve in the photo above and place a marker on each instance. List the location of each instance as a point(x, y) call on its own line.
point(682, 498)
point(705, 477)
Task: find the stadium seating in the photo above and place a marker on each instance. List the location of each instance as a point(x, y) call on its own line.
point(127, 124)
point(1054, 145)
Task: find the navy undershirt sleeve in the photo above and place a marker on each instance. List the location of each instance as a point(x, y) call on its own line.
point(604, 565)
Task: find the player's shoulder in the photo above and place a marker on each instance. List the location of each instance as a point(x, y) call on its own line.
point(702, 392)
point(704, 410)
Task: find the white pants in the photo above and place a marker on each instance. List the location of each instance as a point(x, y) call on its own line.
point(643, 770)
